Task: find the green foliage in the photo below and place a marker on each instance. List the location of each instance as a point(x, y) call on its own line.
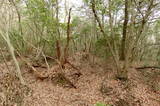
point(17, 40)
point(102, 104)
point(101, 48)
point(40, 12)
point(75, 21)
point(115, 5)
point(40, 25)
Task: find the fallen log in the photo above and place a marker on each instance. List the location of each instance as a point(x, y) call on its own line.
point(145, 67)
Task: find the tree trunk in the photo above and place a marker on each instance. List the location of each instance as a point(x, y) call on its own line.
point(57, 18)
point(115, 57)
point(68, 36)
point(19, 19)
point(123, 42)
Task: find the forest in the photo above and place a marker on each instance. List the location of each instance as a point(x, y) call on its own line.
point(79, 53)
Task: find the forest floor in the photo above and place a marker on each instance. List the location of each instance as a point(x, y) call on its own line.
point(97, 84)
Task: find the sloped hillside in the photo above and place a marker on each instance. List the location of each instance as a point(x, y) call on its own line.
point(84, 83)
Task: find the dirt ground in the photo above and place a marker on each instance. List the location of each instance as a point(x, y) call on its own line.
point(96, 84)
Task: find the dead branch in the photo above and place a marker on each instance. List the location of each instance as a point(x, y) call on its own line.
point(37, 74)
point(145, 67)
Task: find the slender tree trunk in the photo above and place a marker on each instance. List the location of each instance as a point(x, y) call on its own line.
point(19, 19)
point(142, 27)
point(68, 36)
point(66, 12)
point(11, 50)
point(123, 42)
point(57, 18)
point(115, 57)
point(58, 47)
point(58, 50)
point(103, 20)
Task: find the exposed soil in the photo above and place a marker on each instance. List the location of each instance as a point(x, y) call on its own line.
point(96, 84)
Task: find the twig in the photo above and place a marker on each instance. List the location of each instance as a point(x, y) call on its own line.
point(34, 70)
point(48, 67)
